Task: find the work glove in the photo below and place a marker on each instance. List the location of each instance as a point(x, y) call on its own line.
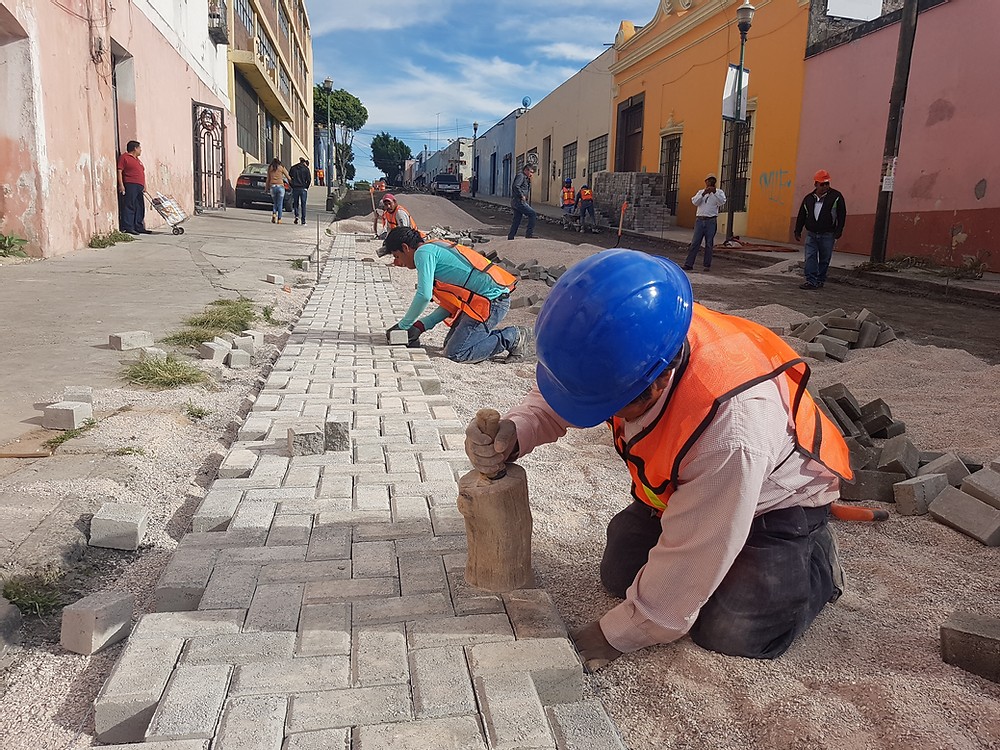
point(488, 455)
point(594, 649)
point(414, 332)
point(390, 330)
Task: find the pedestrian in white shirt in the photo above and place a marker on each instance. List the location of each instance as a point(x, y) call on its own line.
point(707, 201)
point(733, 466)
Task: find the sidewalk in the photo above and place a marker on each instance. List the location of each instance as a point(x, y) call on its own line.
point(320, 599)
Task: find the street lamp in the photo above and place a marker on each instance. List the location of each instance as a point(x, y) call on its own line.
point(328, 88)
point(475, 164)
point(744, 19)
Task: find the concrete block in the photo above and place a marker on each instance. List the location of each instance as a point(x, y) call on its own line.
point(984, 485)
point(168, 745)
point(862, 457)
point(213, 352)
point(252, 722)
point(835, 348)
point(118, 526)
point(895, 429)
point(847, 426)
point(67, 415)
point(442, 685)
point(843, 334)
point(845, 323)
point(512, 713)
point(230, 587)
point(305, 265)
point(96, 621)
point(533, 614)
point(459, 631)
point(324, 630)
point(400, 608)
point(183, 583)
point(128, 340)
point(885, 336)
point(867, 316)
point(128, 699)
point(876, 416)
point(899, 456)
point(971, 641)
point(844, 398)
point(152, 354)
point(216, 510)
point(238, 648)
point(225, 340)
point(430, 386)
point(914, 496)
point(927, 456)
point(191, 704)
point(583, 726)
point(967, 514)
point(778, 330)
point(306, 440)
point(273, 278)
point(325, 739)
point(332, 709)
point(552, 663)
point(871, 485)
point(811, 330)
point(837, 313)
point(950, 465)
point(518, 302)
point(257, 336)
point(535, 308)
point(868, 335)
point(10, 625)
point(451, 733)
point(237, 359)
point(237, 464)
point(379, 656)
point(994, 465)
point(816, 351)
point(244, 344)
point(189, 624)
point(399, 338)
point(337, 436)
point(300, 674)
point(81, 394)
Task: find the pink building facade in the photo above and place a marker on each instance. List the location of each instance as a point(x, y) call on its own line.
point(78, 80)
point(946, 202)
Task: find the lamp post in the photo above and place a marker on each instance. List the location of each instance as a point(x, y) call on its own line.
point(744, 19)
point(475, 164)
point(328, 88)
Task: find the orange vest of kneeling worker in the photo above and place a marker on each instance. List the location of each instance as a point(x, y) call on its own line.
point(457, 299)
point(707, 377)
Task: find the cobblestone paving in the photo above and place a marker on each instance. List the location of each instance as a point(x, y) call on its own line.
point(320, 600)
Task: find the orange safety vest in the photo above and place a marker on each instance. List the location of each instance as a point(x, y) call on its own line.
point(727, 356)
point(390, 220)
point(457, 299)
point(569, 197)
point(586, 194)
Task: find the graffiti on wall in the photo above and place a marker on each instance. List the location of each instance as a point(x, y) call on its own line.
point(774, 183)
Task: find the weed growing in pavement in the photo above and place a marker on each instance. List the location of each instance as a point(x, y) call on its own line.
point(229, 315)
point(297, 264)
point(973, 267)
point(109, 239)
point(35, 593)
point(268, 314)
point(129, 450)
point(168, 373)
point(192, 336)
point(55, 442)
point(10, 246)
point(195, 412)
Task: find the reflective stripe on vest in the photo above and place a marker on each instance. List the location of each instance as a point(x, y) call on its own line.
point(586, 194)
point(398, 218)
point(568, 197)
point(456, 299)
point(728, 355)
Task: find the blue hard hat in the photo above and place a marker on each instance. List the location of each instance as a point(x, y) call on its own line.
point(609, 327)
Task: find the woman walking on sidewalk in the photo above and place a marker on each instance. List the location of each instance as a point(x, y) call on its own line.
point(277, 178)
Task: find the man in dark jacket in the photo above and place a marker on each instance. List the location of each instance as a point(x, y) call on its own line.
point(519, 191)
point(823, 214)
point(301, 178)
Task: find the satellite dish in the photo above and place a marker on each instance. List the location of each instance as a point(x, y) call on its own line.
point(526, 102)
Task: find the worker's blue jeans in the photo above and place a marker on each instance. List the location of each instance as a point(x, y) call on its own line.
point(521, 210)
point(299, 203)
point(471, 341)
point(779, 582)
point(819, 252)
point(704, 229)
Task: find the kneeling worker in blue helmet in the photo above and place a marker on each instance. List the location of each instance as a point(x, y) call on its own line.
point(472, 293)
point(733, 466)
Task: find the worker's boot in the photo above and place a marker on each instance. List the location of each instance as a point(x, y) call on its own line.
point(525, 344)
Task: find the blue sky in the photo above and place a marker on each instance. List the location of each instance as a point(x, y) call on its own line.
point(427, 69)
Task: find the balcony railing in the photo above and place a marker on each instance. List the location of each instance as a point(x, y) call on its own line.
point(218, 22)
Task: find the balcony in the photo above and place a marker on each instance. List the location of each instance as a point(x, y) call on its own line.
point(263, 77)
point(218, 22)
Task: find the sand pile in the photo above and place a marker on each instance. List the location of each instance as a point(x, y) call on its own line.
point(430, 210)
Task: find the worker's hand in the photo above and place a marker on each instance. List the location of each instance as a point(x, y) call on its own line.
point(593, 647)
point(798, 238)
point(490, 455)
point(414, 331)
point(388, 331)
point(121, 189)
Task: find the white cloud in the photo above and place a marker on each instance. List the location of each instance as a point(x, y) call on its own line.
point(570, 51)
point(327, 16)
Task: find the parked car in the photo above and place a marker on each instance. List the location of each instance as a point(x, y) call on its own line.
point(446, 185)
point(251, 188)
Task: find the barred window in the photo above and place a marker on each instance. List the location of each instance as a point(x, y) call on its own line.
point(520, 162)
point(247, 127)
point(244, 14)
point(284, 84)
point(739, 199)
point(597, 155)
point(569, 161)
point(670, 166)
point(282, 20)
point(265, 48)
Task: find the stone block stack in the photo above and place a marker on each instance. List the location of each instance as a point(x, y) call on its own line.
point(645, 192)
point(837, 332)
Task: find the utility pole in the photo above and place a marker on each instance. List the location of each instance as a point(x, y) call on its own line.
point(894, 129)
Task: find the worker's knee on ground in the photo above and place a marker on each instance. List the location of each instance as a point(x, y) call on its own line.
point(614, 580)
point(737, 636)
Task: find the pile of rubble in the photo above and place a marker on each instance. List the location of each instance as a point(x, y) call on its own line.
point(835, 333)
point(956, 490)
point(461, 236)
point(231, 350)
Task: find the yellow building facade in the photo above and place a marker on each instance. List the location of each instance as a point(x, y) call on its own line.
point(668, 84)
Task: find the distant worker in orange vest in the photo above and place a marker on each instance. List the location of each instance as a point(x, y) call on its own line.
point(568, 203)
point(392, 215)
point(733, 466)
point(472, 292)
point(585, 201)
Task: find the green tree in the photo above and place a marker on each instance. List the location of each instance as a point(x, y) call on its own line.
point(390, 155)
point(348, 116)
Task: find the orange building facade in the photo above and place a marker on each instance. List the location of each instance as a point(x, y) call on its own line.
point(668, 84)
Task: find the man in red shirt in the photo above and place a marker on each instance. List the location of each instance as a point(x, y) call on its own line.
point(131, 184)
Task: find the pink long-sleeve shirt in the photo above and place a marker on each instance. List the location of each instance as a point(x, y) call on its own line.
point(742, 466)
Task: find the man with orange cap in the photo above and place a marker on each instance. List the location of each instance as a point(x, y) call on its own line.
point(822, 214)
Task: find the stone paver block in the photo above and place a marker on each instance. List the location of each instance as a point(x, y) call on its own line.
point(875, 416)
point(306, 440)
point(273, 278)
point(253, 722)
point(969, 515)
point(241, 648)
point(914, 496)
point(237, 359)
point(430, 386)
point(469, 600)
point(811, 330)
point(261, 555)
point(459, 631)
point(230, 587)
point(244, 344)
point(422, 575)
point(374, 559)
point(868, 334)
point(899, 456)
point(552, 663)
point(835, 348)
point(454, 733)
point(257, 336)
point(301, 674)
point(330, 709)
point(323, 591)
point(128, 340)
point(534, 615)
point(213, 352)
point(81, 394)
point(379, 656)
point(67, 415)
point(871, 485)
point(325, 739)
point(153, 354)
point(338, 436)
point(513, 714)
point(237, 464)
point(168, 745)
point(10, 625)
point(950, 465)
point(971, 641)
point(584, 726)
point(183, 583)
point(189, 624)
point(984, 485)
point(442, 685)
point(399, 338)
point(118, 526)
point(329, 543)
point(96, 621)
point(304, 572)
point(895, 429)
point(816, 351)
point(216, 510)
point(254, 515)
point(292, 529)
point(324, 630)
point(401, 608)
point(275, 607)
point(192, 703)
point(128, 699)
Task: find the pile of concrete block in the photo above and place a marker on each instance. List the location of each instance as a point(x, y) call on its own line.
point(461, 236)
point(835, 333)
point(231, 350)
point(72, 412)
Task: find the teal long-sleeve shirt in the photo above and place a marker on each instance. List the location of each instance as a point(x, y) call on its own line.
point(437, 261)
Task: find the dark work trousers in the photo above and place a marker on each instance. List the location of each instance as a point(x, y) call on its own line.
point(299, 203)
point(779, 582)
point(521, 210)
point(704, 229)
point(133, 209)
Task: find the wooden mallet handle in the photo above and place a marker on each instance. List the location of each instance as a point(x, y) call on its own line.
point(488, 422)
